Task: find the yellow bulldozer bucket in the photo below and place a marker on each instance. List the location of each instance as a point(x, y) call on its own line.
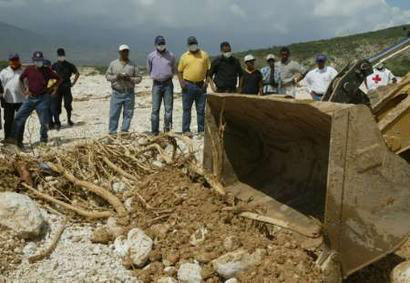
point(323, 168)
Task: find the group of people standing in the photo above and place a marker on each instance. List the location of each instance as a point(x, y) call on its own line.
point(41, 87)
point(196, 73)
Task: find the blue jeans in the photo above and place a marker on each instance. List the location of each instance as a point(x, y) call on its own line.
point(39, 103)
point(164, 91)
point(125, 102)
point(193, 93)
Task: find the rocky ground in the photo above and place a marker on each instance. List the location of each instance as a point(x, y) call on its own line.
point(178, 228)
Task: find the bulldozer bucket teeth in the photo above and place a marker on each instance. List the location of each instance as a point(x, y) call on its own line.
point(302, 160)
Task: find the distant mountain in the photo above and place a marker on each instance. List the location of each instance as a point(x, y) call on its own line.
point(83, 47)
point(341, 50)
point(98, 47)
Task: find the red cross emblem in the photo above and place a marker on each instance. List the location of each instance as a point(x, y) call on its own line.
point(377, 79)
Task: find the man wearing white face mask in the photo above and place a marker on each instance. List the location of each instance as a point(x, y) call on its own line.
point(226, 71)
point(65, 70)
point(192, 74)
point(161, 66)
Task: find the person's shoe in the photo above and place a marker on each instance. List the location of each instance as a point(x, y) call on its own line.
point(167, 130)
point(51, 126)
point(58, 126)
point(70, 123)
point(21, 146)
point(201, 134)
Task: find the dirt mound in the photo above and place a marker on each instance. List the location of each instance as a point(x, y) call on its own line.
point(155, 184)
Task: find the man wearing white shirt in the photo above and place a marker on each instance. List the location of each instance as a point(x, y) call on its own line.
point(12, 96)
point(381, 77)
point(319, 79)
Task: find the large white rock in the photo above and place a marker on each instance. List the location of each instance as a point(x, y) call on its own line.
point(190, 273)
point(21, 214)
point(232, 280)
point(231, 264)
point(401, 273)
point(136, 247)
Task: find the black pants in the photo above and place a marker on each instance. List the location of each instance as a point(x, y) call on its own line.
point(63, 93)
point(10, 110)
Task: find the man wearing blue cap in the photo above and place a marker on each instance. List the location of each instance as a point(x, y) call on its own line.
point(35, 84)
point(319, 79)
point(161, 66)
point(193, 71)
point(12, 95)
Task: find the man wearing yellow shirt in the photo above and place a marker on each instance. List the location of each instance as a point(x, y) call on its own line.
point(192, 74)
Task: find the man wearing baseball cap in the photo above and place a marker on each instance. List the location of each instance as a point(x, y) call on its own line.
point(271, 76)
point(192, 74)
point(161, 66)
point(35, 80)
point(123, 74)
point(319, 79)
point(65, 70)
point(12, 96)
point(252, 80)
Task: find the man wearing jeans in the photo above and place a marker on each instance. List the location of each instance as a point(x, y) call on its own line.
point(35, 80)
point(123, 75)
point(192, 72)
point(161, 66)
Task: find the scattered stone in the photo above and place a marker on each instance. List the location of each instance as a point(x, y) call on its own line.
point(136, 248)
point(231, 243)
point(401, 273)
point(190, 273)
point(199, 236)
point(20, 214)
point(170, 270)
point(101, 236)
point(119, 187)
point(167, 280)
point(232, 280)
point(231, 264)
point(114, 228)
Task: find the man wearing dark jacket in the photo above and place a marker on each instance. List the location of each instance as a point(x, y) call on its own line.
point(65, 70)
point(225, 71)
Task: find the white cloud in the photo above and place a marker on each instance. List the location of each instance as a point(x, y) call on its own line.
point(274, 20)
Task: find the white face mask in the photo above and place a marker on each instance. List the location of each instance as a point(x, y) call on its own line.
point(227, 54)
point(61, 58)
point(161, 48)
point(39, 64)
point(193, 47)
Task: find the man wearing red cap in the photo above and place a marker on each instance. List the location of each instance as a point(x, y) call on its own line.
point(12, 96)
point(35, 80)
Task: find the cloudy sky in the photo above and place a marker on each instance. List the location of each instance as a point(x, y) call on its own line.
point(246, 23)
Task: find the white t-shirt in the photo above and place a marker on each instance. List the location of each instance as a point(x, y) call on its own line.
point(318, 80)
point(13, 89)
point(379, 78)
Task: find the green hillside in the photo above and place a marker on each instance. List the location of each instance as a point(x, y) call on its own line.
point(341, 50)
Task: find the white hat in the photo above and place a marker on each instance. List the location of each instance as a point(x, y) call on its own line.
point(123, 47)
point(270, 57)
point(249, 58)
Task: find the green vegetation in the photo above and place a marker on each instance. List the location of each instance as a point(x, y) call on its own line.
point(341, 50)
